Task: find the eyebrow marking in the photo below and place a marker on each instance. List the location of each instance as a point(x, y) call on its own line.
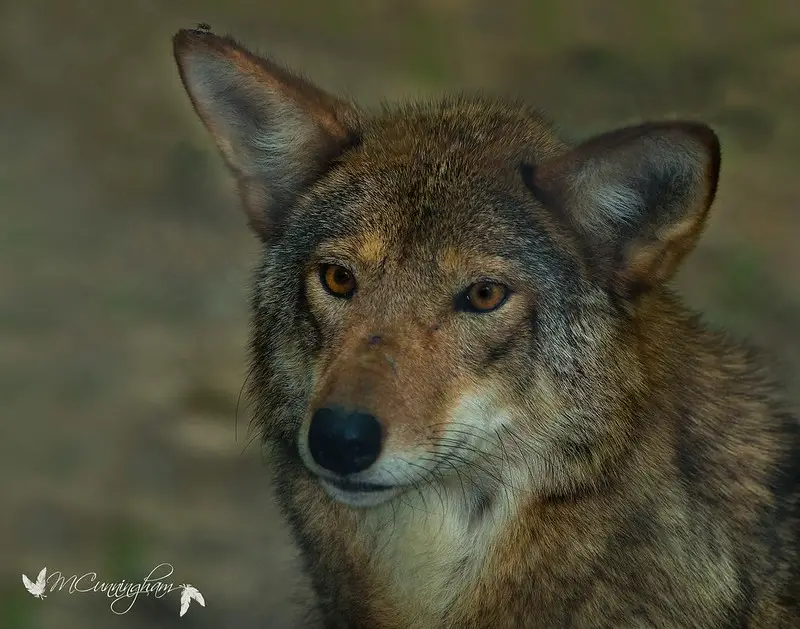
point(371, 248)
point(454, 262)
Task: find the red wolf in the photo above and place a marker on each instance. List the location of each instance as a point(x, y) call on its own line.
point(485, 406)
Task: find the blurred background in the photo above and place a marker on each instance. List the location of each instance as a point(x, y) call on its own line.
point(124, 258)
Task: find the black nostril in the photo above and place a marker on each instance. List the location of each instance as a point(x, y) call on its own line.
point(344, 442)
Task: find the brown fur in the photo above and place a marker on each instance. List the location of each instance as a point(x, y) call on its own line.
point(587, 455)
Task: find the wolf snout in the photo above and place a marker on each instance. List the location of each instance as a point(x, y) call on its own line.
point(344, 441)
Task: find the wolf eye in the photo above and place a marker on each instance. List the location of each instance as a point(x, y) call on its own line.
point(337, 280)
point(484, 297)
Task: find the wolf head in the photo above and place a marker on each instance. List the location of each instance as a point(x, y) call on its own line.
point(447, 291)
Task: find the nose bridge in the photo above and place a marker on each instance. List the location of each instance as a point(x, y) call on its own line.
point(365, 364)
point(374, 367)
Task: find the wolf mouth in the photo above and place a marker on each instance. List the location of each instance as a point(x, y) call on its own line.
point(357, 487)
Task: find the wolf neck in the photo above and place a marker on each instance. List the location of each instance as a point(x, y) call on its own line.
point(678, 347)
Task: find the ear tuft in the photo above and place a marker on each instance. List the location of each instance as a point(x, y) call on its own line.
point(639, 195)
point(276, 131)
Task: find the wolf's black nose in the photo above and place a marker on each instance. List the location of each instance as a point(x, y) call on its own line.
point(342, 441)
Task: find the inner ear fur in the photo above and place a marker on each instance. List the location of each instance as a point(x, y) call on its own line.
point(639, 196)
point(276, 131)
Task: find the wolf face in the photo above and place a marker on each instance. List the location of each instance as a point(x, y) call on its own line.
point(449, 294)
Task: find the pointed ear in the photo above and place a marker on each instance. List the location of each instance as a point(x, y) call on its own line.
point(276, 131)
point(638, 196)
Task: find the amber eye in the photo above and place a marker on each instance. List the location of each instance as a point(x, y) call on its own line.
point(337, 280)
point(484, 297)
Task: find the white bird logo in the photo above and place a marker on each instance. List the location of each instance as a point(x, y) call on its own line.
point(37, 589)
point(189, 593)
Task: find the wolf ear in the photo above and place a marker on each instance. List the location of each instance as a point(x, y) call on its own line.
point(276, 131)
point(639, 197)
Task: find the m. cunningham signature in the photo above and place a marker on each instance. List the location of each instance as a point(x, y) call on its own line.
point(123, 593)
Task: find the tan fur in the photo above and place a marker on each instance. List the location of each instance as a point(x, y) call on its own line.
point(371, 249)
point(588, 454)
